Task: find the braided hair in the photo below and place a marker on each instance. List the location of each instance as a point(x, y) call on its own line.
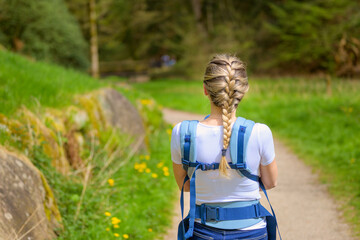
point(226, 82)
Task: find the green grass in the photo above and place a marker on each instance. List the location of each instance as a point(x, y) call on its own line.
point(141, 200)
point(323, 130)
point(29, 83)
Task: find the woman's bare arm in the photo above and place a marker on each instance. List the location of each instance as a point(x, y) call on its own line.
point(269, 175)
point(180, 174)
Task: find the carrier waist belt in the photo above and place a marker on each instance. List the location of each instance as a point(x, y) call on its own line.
point(215, 214)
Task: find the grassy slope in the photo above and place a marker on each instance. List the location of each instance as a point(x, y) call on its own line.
point(23, 82)
point(323, 130)
point(141, 201)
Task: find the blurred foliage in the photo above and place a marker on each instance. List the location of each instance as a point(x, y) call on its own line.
point(275, 36)
point(44, 30)
point(294, 36)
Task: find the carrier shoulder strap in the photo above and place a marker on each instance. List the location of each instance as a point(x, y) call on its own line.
point(240, 136)
point(188, 144)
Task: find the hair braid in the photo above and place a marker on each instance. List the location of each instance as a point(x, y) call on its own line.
point(226, 82)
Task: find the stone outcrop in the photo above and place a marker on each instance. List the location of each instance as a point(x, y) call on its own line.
point(27, 207)
point(121, 114)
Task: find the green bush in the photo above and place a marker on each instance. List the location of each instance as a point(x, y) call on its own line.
point(46, 29)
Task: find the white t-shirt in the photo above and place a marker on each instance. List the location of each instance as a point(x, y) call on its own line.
point(210, 186)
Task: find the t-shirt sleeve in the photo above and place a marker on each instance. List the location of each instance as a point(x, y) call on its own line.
point(266, 143)
point(175, 145)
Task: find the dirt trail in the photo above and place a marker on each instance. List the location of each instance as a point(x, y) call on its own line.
point(304, 209)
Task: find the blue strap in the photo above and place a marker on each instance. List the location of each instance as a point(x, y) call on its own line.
point(272, 222)
point(192, 211)
point(182, 228)
point(240, 144)
point(210, 213)
point(187, 143)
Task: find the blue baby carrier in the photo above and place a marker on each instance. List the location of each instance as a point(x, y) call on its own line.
point(208, 213)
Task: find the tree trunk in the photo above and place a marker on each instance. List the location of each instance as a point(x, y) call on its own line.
point(93, 40)
point(196, 6)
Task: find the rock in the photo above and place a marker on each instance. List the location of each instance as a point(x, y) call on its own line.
point(120, 113)
point(27, 206)
point(47, 138)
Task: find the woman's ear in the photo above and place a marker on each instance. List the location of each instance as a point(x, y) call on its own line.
point(205, 91)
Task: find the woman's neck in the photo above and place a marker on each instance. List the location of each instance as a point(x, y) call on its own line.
point(215, 117)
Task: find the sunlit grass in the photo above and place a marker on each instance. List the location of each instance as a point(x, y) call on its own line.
point(34, 84)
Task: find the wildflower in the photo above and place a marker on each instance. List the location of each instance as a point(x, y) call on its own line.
point(166, 174)
point(111, 182)
point(160, 164)
point(165, 169)
point(145, 101)
point(169, 131)
point(116, 235)
point(107, 229)
point(125, 236)
point(116, 226)
point(147, 170)
point(147, 157)
point(115, 220)
point(150, 230)
point(140, 167)
point(154, 175)
point(107, 214)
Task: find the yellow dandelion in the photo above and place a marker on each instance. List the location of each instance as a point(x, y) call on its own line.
point(165, 169)
point(166, 174)
point(145, 101)
point(116, 235)
point(147, 170)
point(136, 166)
point(111, 182)
point(169, 131)
point(107, 214)
point(116, 226)
point(160, 164)
point(150, 230)
point(147, 157)
point(141, 170)
point(107, 229)
point(125, 236)
point(115, 220)
point(154, 175)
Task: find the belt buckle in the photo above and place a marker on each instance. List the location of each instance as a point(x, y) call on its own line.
point(212, 214)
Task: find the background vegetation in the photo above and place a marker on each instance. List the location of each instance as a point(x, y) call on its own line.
point(44, 30)
point(292, 37)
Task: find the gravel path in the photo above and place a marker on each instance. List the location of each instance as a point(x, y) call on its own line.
point(304, 209)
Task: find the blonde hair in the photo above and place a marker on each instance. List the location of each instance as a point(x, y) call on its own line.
point(226, 82)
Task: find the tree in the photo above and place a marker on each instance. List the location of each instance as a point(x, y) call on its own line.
point(44, 30)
